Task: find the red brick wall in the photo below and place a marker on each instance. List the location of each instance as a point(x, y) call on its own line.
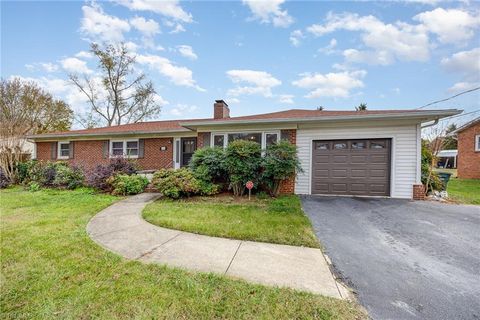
point(418, 192)
point(89, 153)
point(468, 161)
point(288, 186)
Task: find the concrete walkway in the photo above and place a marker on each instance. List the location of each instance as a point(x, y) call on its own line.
point(120, 228)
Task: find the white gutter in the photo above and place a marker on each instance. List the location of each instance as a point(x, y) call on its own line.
point(106, 134)
point(430, 124)
point(429, 115)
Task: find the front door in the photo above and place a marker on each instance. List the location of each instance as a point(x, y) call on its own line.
point(189, 145)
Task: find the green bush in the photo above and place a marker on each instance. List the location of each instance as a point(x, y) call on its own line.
point(279, 163)
point(69, 177)
point(176, 183)
point(208, 164)
point(33, 186)
point(128, 184)
point(242, 163)
point(430, 178)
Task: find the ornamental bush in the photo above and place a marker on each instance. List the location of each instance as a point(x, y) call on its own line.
point(99, 176)
point(279, 163)
point(208, 164)
point(175, 184)
point(69, 177)
point(243, 163)
point(128, 184)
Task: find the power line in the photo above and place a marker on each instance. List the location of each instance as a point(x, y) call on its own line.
point(458, 94)
point(460, 115)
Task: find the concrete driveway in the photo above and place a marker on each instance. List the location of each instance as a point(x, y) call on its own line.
point(404, 259)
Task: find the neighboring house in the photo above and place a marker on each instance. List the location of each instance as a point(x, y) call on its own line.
point(371, 153)
point(447, 159)
point(468, 137)
point(27, 147)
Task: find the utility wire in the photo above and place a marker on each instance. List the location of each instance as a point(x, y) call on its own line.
point(458, 94)
point(460, 115)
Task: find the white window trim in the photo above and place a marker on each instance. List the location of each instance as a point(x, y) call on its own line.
point(226, 133)
point(477, 142)
point(59, 155)
point(124, 147)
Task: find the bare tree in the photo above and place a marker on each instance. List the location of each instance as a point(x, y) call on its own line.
point(26, 109)
point(121, 95)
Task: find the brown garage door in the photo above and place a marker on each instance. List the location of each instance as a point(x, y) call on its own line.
point(351, 167)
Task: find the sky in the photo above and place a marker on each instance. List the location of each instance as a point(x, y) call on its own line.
point(259, 56)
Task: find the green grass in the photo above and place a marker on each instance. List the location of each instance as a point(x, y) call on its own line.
point(51, 269)
point(464, 190)
point(278, 220)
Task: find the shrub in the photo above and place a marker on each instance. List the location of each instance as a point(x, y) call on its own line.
point(430, 178)
point(22, 169)
point(4, 180)
point(68, 177)
point(126, 185)
point(280, 163)
point(33, 186)
point(176, 183)
point(242, 163)
point(208, 164)
point(99, 176)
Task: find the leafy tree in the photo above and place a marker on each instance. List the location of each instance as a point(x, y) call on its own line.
point(26, 109)
point(123, 95)
point(450, 141)
point(361, 107)
point(242, 162)
point(280, 163)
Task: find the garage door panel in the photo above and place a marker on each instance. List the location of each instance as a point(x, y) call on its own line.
point(352, 170)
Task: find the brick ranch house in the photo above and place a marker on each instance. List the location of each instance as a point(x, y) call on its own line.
point(365, 153)
point(468, 162)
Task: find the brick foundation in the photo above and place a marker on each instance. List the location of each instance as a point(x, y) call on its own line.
point(418, 192)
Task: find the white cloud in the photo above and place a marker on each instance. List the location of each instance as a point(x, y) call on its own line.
point(168, 8)
point(187, 52)
point(178, 28)
point(450, 25)
point(400, 41)
point(330, 48)
point(286, 98)
point(75, 65)
point(178, 75)
point(159, 100)
point(337, 85)
point(257, 82)
point(467, 64)
point(84, 54)
point(269, 12)
point(381, 57)
point(148, 28)
point(181, 110)
point(100, 26)
point(45, 66)
point(233, 100)
point(296, 37)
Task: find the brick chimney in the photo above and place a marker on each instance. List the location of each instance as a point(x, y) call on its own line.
point(220, 110)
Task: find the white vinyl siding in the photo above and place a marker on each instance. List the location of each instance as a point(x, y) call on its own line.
point(404, 157)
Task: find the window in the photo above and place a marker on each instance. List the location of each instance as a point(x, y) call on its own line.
point(270, 138)
point(340, 145)
point(322, 145)
point(377, 145)
point(128, 148)
point(358, 145)
point(63, 150)
point(132, 148)
point(256, 137)
point(219, 141)
point(117, 148)
point(477, 142)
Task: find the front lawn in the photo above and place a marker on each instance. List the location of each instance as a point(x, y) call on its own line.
point(51, 269)
point(464, 190)
point(279, 220)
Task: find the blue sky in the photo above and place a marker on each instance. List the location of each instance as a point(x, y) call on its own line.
point(258, 56)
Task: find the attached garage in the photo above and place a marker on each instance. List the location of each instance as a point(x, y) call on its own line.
point(351, 167)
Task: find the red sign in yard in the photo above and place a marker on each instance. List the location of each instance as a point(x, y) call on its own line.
point(249, 185)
